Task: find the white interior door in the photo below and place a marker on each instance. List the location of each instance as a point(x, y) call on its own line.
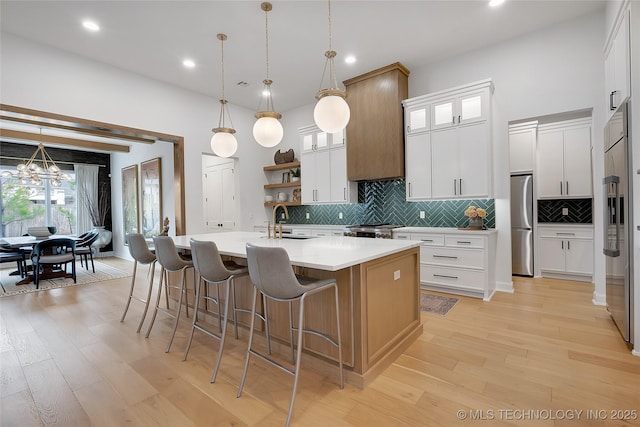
point(219, 206)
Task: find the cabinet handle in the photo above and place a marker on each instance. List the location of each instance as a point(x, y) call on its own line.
point(560, 187)
point(459, 119)
point(464, 242)
point(460, 186)
point(455, 188)
point(565, 234)
point(611, 107)
point(344, 191)
point(408, 129)
point(409, 189)
point(445, 276)
point(453, 120)
point(568, 245)
point(562, 244)
point(445, 256)
point(427, 240)
point(567, 188)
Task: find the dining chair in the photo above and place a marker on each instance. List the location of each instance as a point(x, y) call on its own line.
point(170, 261)
point(84, 249)
point(139, 251)
point(272, 274)
point(51, 253)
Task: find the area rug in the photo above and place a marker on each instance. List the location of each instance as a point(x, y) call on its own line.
point(437, 304)
point(83, 276)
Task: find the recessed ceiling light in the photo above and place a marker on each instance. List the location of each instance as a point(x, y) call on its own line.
point(90, 25)
point(350, 59)
point(495, 3)
point(188, 63)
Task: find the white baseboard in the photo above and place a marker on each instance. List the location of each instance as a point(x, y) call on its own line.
point(504, 287)
point(635, 352)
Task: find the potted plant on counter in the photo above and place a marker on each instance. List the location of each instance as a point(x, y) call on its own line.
point(295, 174)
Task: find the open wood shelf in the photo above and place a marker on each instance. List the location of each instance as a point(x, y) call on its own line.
point(282, 185)
point(296, 203)
point(282, 166)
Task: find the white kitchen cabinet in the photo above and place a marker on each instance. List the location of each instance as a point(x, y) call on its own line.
point(459, 110)
point(448, 150)
point(460, 162)
point(417, 118)
point(455, 262)
point(563, 160)
point(618, 65)
point(522, 145)
point(566, 251)
point(418, 166)
point(324, 169)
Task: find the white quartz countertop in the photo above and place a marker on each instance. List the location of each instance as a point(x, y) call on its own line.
point(442, 230)
point(330, 253)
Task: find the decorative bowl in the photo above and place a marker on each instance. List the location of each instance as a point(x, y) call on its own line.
point(38, 232)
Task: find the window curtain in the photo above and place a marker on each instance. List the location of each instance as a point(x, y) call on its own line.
point(87, 189)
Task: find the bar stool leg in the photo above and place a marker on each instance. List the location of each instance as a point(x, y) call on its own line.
point(291, 329)
point(146, 304)
point(266, 323)
point(195, 316)
point(182, 293)
point(298, 358)
point(339, 339)
point(246, 360)
point(155, 312)
point(224, 328)
point(133, 281)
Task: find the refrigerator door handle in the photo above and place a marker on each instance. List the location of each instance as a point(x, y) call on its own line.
point(615, 181)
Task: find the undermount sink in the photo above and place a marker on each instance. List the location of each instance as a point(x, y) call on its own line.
point(293, 236)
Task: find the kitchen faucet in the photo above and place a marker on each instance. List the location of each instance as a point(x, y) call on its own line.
point(286, 215)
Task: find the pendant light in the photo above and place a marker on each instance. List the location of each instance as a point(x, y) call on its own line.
point(267, 130)
point(331, 113)
point(223, 142)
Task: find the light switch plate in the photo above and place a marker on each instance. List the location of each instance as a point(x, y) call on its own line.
point(307, 214)
point(565, 211)
point(339, 215)
point(396, 275)
point(421, 214)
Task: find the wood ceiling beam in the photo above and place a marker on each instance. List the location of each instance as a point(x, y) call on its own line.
point(94, 132)
point(93, 145)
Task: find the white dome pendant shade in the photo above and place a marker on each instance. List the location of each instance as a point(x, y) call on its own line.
point(331, 113)
point(268, 130)
point(223, 142)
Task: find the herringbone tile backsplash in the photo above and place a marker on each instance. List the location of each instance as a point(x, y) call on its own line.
point(384, 202)
point(579, 211)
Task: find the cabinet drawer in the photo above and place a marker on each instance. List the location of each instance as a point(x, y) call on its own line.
point(402, 236)
point(452, 257)
point(566, 233)
point(465, 241)
point(429, 239)
point(463, 279)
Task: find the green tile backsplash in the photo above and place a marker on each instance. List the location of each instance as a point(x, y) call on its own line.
point(384, 201)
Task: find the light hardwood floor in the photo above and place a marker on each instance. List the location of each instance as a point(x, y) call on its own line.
point(67, 360)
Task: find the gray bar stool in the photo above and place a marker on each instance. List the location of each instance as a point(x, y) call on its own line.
point(139, 251)
point(271, 273)
point(167, 256)
point(214, 271)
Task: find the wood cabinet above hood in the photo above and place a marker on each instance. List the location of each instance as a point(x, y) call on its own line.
point(375, 133)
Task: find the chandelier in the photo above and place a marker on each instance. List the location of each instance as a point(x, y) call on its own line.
point(223, 143)
point(331, 113)
point(33, 173)
point(267, 130)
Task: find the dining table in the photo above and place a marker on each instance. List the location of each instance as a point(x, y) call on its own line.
point(26, 243)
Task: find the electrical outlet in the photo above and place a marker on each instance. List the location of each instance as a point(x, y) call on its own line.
point(307, 215)
point(282, 215)
point(339, 215)
point(421, 214)
point(396, 275)
point(565, 211)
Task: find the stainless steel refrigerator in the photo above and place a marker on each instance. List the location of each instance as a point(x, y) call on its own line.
point(522, 225)
point(617, 230)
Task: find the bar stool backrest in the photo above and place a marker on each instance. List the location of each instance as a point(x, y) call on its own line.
point(208, 262)
point(139, 250)
point(167, 254)
point(270, 271)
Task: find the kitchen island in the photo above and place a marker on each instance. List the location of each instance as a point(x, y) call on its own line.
point(378, 289)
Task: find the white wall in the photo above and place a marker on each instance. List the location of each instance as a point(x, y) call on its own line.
point(39, 77)
point(556, 70)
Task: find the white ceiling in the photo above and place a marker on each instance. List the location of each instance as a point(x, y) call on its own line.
point(152, 38)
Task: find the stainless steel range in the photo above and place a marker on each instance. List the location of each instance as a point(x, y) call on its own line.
point(379, 231)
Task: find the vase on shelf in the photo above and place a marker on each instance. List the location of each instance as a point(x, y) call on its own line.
point(104, 237)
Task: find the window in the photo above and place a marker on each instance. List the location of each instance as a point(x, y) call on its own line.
point(25, 206)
